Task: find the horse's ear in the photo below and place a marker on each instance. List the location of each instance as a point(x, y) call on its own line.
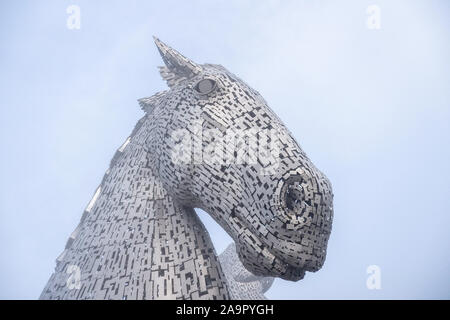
point(178, 67)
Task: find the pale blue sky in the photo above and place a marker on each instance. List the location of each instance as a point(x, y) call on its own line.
point(371, 108)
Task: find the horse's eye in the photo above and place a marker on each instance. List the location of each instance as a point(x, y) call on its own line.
point(205, 86)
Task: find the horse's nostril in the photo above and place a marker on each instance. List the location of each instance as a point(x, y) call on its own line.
point(293, 195)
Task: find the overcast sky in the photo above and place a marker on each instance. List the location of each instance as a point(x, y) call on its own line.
point(371, 108)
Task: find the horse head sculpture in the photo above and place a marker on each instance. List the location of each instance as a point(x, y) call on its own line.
point(209, 142)
point(276, 205)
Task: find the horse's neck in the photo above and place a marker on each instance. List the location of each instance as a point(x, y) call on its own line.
point(135, 242)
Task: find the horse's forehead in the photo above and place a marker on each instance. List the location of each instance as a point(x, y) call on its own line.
point(234, 105)
point(220, 73)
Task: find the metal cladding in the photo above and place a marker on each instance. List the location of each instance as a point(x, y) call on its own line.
point(209, 142)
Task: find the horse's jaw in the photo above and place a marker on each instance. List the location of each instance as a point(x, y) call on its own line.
point(262, 257)
point(264, 263)
point(254, 254)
